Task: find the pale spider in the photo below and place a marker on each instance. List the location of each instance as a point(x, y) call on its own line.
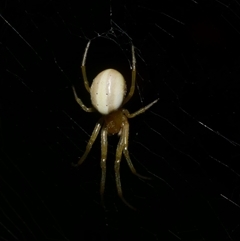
point(108, 91)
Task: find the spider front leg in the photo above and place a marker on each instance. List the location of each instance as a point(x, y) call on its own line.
point(119, 151)
point(90, 142)
point(103, 160)
point(125, 150)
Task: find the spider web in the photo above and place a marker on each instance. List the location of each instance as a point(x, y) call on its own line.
point(188, 143)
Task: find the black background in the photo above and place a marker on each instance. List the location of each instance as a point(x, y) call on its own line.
point(187, 54)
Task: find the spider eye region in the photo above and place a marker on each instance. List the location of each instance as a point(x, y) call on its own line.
point(107, 91)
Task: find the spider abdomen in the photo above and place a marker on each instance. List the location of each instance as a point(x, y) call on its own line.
point(107, 91)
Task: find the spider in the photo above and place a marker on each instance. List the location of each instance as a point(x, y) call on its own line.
point(108, 95)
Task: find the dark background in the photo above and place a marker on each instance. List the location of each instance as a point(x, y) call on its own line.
point(187, 54)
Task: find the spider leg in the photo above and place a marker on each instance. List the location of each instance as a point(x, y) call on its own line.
point(125, 150)
point(119, 151)
point(142, 110)
point(84, 68)
point(104, 144)
point(91, 109)
point(90, 142)
point(132, 88)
